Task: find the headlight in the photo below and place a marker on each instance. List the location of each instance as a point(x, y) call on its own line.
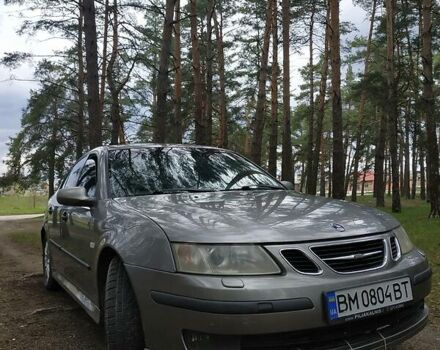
point(405, 243)
point(230, 260)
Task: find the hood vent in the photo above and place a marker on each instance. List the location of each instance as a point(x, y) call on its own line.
point(300, 262)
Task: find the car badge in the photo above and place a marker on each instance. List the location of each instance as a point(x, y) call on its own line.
point(359, 256)
point(338, 227)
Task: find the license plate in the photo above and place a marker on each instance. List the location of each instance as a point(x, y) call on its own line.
point(366, 301)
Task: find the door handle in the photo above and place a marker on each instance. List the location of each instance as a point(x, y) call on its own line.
point(50, 210)
point(64, 216)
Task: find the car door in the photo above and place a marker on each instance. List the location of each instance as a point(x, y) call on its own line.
point(57, 222)
point(80, 236)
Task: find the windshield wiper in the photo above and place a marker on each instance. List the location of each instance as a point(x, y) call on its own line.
point(181, 190)
point(256, 187)
point(195, 190)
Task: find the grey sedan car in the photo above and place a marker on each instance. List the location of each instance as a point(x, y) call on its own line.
point(188, 247)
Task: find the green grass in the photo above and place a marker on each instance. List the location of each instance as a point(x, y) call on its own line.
point(24, 232)
point(15, 205)
point(425, 234)
point(25, 238)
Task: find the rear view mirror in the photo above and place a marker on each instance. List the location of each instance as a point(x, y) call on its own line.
point(75, 196)
point(288, 185)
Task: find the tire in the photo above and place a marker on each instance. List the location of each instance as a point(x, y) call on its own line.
point(48, 280)
point(122, 321)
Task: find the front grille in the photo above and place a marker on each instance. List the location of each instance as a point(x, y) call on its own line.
point(300, 262)
point(394, 248)
point(353, 257)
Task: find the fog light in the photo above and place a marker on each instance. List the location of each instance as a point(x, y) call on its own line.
point(203, 341)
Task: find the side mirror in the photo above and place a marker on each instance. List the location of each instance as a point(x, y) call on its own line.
point(75, 196)
point(288, 185)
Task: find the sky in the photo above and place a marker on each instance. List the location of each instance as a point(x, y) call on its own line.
point(14, 93)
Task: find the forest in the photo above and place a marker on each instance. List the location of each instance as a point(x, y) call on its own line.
point(219, 72)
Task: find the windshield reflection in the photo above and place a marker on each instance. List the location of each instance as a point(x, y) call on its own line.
point(160, 170)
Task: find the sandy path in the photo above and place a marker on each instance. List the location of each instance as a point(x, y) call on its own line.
point(19, 217)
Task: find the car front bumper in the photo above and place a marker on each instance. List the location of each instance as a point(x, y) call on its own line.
point(374, 333)
point(272, 312)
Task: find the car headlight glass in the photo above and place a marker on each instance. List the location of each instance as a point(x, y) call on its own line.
point(405, 243)
point(228, 260)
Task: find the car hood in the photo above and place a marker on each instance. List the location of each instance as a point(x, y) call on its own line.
point(257, 217)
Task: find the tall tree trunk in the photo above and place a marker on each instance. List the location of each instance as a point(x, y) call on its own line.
point(273, 140)
point(338, 175)
point(411, 118)
point(364, 176)
point(420, 132)
point(362, 104)
point(422, 174)
point(223, 119)
point(330, 182)
point(80, 142)
point(115, 111)
point(178, 132)
point(392, 106)
point(386, 173)
point(258, 121)
point(379, 173)
point(153, 85)
point(414, 162)
point(287, 164)
point(95, 117)
point(311, 185)
point(389, 174)
point(200, 126)
point(349, 167)
point(428, 108)
point(303, 176)
point(318, 151)
point(406, 172)
point(401, 156)
point(160, 125)
point(322, 171)
point(54, 137)
point(209, 71)
point(104, 57)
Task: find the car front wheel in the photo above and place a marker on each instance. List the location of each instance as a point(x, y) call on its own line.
point(123, 327)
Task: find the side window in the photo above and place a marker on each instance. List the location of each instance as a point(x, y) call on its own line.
point(88, 177)
point(73, 176)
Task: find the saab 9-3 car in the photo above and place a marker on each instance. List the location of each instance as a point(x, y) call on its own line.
point(188, 247)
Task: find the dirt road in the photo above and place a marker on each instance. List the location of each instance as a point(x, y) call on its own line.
point(19, 217)
point(31, 318)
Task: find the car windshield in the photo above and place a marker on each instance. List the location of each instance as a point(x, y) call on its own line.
point(159, 170)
